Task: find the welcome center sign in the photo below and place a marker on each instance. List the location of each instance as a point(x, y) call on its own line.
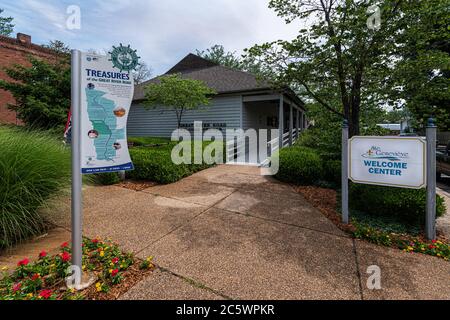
point(389, 161)
point(107, 89)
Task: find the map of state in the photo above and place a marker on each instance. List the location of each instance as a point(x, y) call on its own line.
point(101, 114)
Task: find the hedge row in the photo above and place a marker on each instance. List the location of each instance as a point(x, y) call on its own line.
point(304, 166)
point(407, 204)
point(155, 164)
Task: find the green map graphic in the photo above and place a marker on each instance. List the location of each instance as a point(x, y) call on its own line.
point(100, 112)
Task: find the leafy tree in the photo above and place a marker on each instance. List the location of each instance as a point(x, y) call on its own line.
point(142, 73)
point(177, 94)
point(6, 27)
point(58, 46)
point(337, 60)
point(219, 55)
point(42, 92)
point(422, 77)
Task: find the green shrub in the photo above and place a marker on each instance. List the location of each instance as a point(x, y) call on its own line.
point(155, 165)
point(33, 167)
point(332, 172)
point(407, 205)
point(107, 178)
point(327, 143)
point(300, 165)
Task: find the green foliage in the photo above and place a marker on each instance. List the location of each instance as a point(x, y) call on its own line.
point(326, 142)
point(58, 46)
point(422, 76)
point(148, 141)
point(33, 167)
point(300, 165)
point(42, 278)
point(218, 55)
point(408, 205)
point(42, 92)
point(407, 244)
point(370, 234)
point(6, 26)
point(375, 131)
point(106, 178)
point(352, 71)
point(177, 94)
point(332, 172)
point(155, 164)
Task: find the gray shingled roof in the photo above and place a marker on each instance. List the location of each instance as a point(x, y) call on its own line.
point(221, 79)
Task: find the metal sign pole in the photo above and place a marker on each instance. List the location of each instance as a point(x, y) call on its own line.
point(76, 162)
point(344, 201)
point(431, 181)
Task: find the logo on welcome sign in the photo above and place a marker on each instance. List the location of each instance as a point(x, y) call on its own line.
point(375, 152)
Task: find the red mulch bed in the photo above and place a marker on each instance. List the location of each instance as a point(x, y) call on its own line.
point(136, 185)
point(326, 201)
point(130, 277)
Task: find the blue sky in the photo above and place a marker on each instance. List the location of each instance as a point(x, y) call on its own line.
point(163, 31)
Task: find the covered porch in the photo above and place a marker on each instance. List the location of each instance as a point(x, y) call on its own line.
point(282, 115)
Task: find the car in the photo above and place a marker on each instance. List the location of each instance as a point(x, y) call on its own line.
point(443, 161)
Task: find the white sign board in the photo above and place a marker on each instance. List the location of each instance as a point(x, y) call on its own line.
point(388, 161)
point(106, 95)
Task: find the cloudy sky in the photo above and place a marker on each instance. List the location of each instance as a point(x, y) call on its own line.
point(163, 31)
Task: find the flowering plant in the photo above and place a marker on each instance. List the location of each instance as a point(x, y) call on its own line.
point(43, 278)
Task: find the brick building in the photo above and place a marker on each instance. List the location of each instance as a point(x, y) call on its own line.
point(15, 51)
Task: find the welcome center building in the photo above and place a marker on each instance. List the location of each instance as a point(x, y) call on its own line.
point(241, 102)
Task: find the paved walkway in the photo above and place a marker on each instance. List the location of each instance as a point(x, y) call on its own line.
point(229, 233)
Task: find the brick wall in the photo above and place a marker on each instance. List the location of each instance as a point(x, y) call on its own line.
point(15, 51)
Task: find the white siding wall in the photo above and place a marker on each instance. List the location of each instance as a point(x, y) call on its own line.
point(160, 122)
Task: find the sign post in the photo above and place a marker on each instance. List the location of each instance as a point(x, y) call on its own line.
point(402, 162)
point(102, 89)
point(430, 222)
point(76, 162)
point(345, 215)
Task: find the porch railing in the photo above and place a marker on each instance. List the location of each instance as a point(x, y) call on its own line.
point(235, 148)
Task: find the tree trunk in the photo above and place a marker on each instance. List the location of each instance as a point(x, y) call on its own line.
point(354, 122)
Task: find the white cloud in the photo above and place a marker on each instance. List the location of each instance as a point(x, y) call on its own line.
point(162, 31)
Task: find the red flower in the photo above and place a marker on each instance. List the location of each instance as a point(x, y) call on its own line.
point(23, 262)
point(431, 246)
point(95, 241)
point(45, 294)
point(43, 254)
point(35, 277)
point(114, 272)
point(115, 260)
point(16, 287)
point(65, 256)
point(434, 241)
point(65, 245)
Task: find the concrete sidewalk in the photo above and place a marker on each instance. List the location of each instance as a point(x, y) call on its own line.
point(229, 233)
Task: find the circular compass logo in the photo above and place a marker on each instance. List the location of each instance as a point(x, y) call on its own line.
point(124, 58)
